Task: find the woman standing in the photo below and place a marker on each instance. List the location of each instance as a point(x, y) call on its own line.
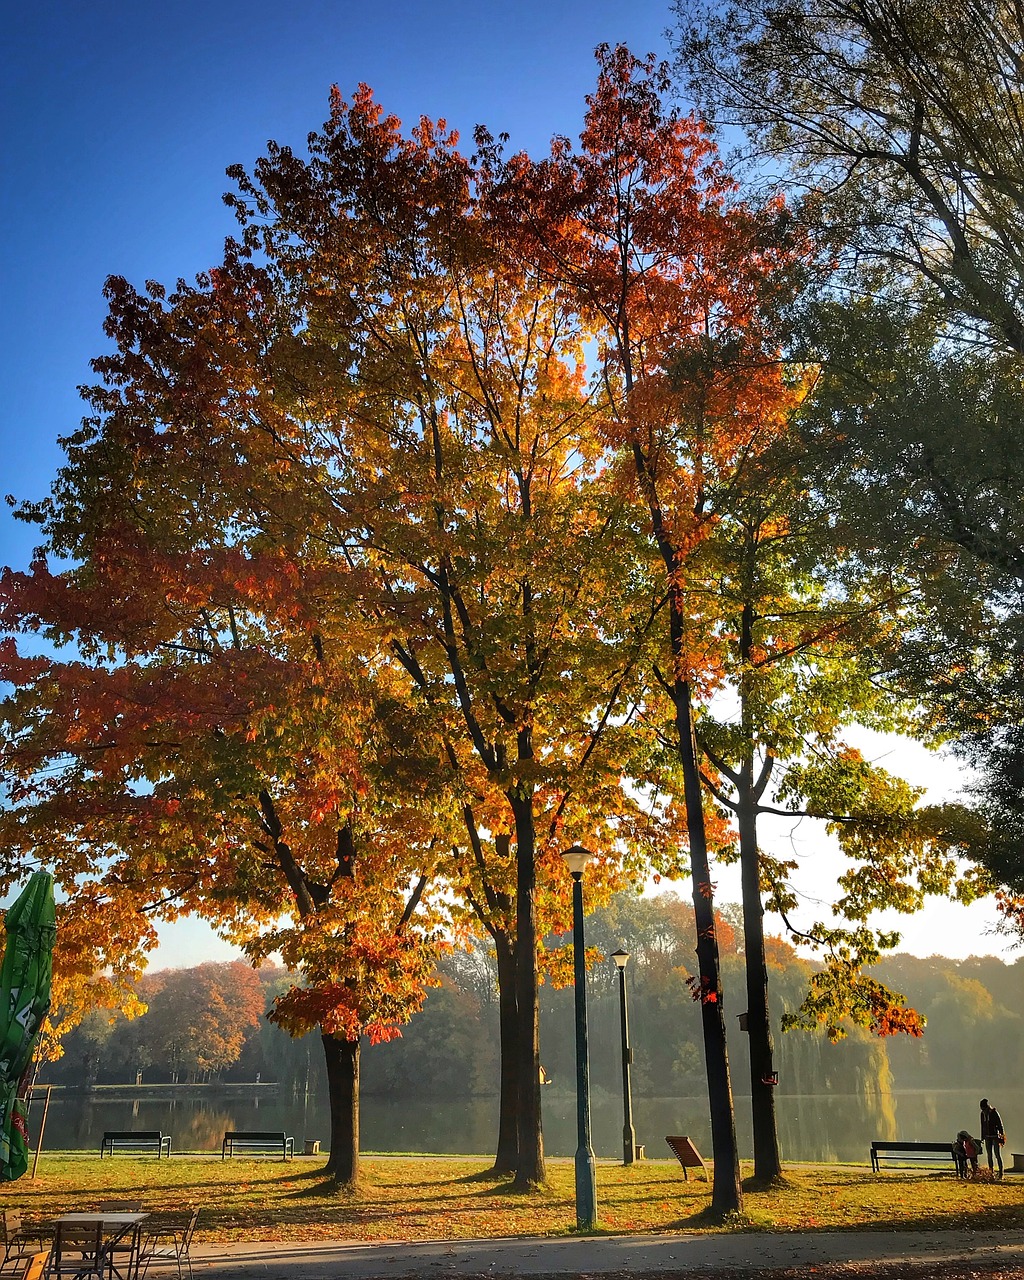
point(992, 1134)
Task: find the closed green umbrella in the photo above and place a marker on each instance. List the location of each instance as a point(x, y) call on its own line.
point(25, 972)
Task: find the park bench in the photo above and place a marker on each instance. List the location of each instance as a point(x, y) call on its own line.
point(259, 1140)
point(912, 1152)
point(687, 1155)
point(136, 1140)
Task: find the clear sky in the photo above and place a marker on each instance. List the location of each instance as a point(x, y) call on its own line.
point(120, 117)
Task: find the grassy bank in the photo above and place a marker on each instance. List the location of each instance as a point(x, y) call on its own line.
point(430, 1199)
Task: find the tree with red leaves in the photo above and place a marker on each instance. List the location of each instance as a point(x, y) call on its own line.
point(200, 756)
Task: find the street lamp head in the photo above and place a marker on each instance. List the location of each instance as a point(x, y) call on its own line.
point(620, 957)
point(577, 859)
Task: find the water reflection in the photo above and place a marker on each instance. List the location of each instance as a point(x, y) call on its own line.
point(823, 1127)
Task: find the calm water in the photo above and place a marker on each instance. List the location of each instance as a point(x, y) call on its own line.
point(824, 1127)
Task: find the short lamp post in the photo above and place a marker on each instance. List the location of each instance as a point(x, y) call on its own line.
point(628, 1135)
point(577, 859)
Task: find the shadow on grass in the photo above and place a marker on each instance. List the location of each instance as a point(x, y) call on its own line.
point(326, 1188)
point(986, 1218)
point(707, 1219)
point(510, 1191)
point(319, 1174)
point(485, 1175)
point(778, 1183)
point(983, 1218)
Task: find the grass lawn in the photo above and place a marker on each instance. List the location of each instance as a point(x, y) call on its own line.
point(408, 1198)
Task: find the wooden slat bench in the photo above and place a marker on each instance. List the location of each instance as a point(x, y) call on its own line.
point(687, 1155)
point(258, 1140)
point(136, 1140)
point(912, 1152)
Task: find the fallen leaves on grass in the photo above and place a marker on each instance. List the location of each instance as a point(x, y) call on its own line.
point(414, 1199)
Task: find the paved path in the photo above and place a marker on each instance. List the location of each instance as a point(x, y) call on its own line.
point(738, 1251)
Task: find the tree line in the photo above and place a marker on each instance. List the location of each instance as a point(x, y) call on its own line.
point(477, 505)
point(206, 1023)
point(973, 1027)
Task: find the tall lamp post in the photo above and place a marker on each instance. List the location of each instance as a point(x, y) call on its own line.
point(577, 859)
point(628, 1135)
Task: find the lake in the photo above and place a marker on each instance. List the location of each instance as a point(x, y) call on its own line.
point(824, 1127)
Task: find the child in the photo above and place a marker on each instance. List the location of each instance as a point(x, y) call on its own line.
point(966, 1151)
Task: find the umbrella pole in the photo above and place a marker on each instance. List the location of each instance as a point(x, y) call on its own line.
point(42, 1126)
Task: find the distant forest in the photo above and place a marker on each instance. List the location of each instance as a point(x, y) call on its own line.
point(207, 1023)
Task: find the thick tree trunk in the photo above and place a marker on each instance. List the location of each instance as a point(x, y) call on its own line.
point(726, 1193)
point(530, 1171)
point(506, 1159)
point(767, 1157)
point(342, 1058)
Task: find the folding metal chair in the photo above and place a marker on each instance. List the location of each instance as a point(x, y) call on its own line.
point(170, 1244)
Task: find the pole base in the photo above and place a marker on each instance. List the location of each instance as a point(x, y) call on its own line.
point(586, 1190)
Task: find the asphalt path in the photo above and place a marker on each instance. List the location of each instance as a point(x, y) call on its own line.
point(647, 1255)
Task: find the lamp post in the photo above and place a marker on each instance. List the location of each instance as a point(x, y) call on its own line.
point(628, 1135)
point(577, 859)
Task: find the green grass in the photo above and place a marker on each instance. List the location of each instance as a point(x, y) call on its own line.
point(407, 1198)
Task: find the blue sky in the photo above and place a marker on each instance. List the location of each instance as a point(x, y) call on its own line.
point(120, 117)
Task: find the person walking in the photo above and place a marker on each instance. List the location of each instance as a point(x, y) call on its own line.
point(992, 1134)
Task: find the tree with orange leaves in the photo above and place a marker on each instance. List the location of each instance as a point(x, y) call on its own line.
point(446, 380)
point(351, 517)
point(200, 758)
point(683, 284)
point(197, 1020)
point(367, 437)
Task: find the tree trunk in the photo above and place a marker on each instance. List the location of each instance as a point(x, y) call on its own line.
point(726, 1193)
point(767, 1157)
point(342, 1058)
point(506, 1159)
point(530, 1171)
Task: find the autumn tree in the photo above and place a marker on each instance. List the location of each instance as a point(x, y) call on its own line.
point(900, 123)
point(804, 618)
point(452, 418)
point(198, 1019)
point(681, 282)
point(884, 433)
point(368, 433)
point(199, 756)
